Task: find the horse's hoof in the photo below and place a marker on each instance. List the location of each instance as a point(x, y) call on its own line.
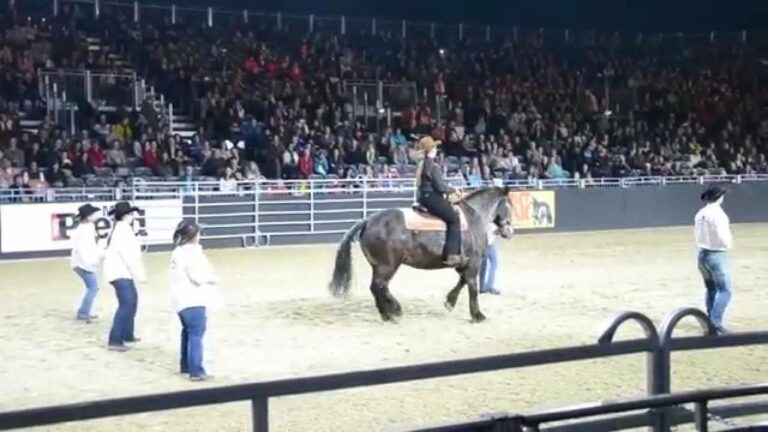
point(396, 310)
point(448, 306)
point(390, 319)
point(478, 317)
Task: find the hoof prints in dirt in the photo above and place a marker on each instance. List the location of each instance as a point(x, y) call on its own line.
point(350, 310)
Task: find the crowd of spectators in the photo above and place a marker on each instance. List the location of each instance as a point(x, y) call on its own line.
point(272, 101)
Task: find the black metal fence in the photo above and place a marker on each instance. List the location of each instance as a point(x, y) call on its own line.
point(661, 408)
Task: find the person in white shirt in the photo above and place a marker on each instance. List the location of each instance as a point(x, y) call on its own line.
point(490, 264)
point(86, 257)
point(713, 239)
point(192, 292)
point(123, 268)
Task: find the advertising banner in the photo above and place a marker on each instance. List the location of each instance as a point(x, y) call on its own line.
point(533, 209)
point(48, 227)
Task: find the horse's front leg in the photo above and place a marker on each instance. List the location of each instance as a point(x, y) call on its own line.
point(470, 275)
point(453, 295)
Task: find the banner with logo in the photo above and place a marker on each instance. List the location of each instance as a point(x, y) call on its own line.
point(48, 227)
point(533, 209)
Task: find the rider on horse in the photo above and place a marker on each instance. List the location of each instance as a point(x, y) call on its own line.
point(431, 195)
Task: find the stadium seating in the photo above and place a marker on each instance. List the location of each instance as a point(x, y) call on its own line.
point(506, 107)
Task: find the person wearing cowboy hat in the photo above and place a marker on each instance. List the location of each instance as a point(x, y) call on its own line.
point(123, 268)
point(192, 292)
point(85, 258)
point(713, 239)
point(432, 189)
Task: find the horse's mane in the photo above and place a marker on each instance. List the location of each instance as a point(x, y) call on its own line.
point(480, 191)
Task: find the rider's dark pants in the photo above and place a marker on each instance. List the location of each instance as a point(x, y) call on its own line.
point(441, 208)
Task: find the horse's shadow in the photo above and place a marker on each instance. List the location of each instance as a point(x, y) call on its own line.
point(348, 310)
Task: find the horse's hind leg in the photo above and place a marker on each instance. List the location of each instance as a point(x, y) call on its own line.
point(388, 306)
point(379, 298)
point(453, 295)
point(394, 306)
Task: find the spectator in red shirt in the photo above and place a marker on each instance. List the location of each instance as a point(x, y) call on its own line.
point(252, 65)
point(425, 115)
point(295, 73)
point(150, 154)
point(408, 116)
point(306, 165)
point(273, 68)
point(75, 149)
point(97, 156)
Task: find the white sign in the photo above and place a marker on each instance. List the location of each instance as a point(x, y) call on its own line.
point(48, 227)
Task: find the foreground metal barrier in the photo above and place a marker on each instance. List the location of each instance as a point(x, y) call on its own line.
point(699, 415)
point(657, 348)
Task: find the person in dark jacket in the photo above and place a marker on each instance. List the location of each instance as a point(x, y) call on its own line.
point(432, 190)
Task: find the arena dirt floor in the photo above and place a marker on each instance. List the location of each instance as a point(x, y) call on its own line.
point(279, 321)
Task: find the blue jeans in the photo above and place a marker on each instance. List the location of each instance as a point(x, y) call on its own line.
point(91, 288)
point(488, 268)
point(125, 316)
point(716, 272)
point(192, 330)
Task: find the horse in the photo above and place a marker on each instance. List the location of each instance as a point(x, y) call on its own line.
point(388, 243)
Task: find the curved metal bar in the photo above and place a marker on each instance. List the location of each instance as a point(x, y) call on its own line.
point(670, 322)
point(248, 244)
point(608, 333)
point(665, 345)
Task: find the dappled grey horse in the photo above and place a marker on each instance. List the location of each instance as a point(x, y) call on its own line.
point(388, 243)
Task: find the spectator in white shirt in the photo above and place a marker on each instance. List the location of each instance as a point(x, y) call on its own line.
point(123, 268)
point(228, 182)
point(713, 239)
point(192, 292)
point(86, 257)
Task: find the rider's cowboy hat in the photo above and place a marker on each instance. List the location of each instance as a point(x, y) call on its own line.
point(713, 194)
point(427, 143)
point(86, 210)
point(186, 230)
point(121, 209)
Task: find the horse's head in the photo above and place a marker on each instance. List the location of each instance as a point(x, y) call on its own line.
point(494, 204)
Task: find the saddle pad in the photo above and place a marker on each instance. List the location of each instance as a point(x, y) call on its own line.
point(418, 221)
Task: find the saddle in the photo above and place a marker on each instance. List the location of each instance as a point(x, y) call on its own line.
point(417, 218)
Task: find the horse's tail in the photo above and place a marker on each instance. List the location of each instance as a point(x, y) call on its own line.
point(342, 271)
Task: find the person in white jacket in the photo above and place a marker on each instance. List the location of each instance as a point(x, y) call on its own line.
point(86, 257)
point(192, 292)
point(123, 268)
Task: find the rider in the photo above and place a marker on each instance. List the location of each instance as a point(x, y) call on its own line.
point(431, 195)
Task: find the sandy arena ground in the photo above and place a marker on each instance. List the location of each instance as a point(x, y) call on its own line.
point(279, 321)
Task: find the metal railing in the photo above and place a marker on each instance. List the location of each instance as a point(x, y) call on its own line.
point(99, 87)
point(64, 89)
point(356, 26)
point(177, 188)
point(378, 102)
point(657, 345)
point(700, 414)
point(269, 212)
